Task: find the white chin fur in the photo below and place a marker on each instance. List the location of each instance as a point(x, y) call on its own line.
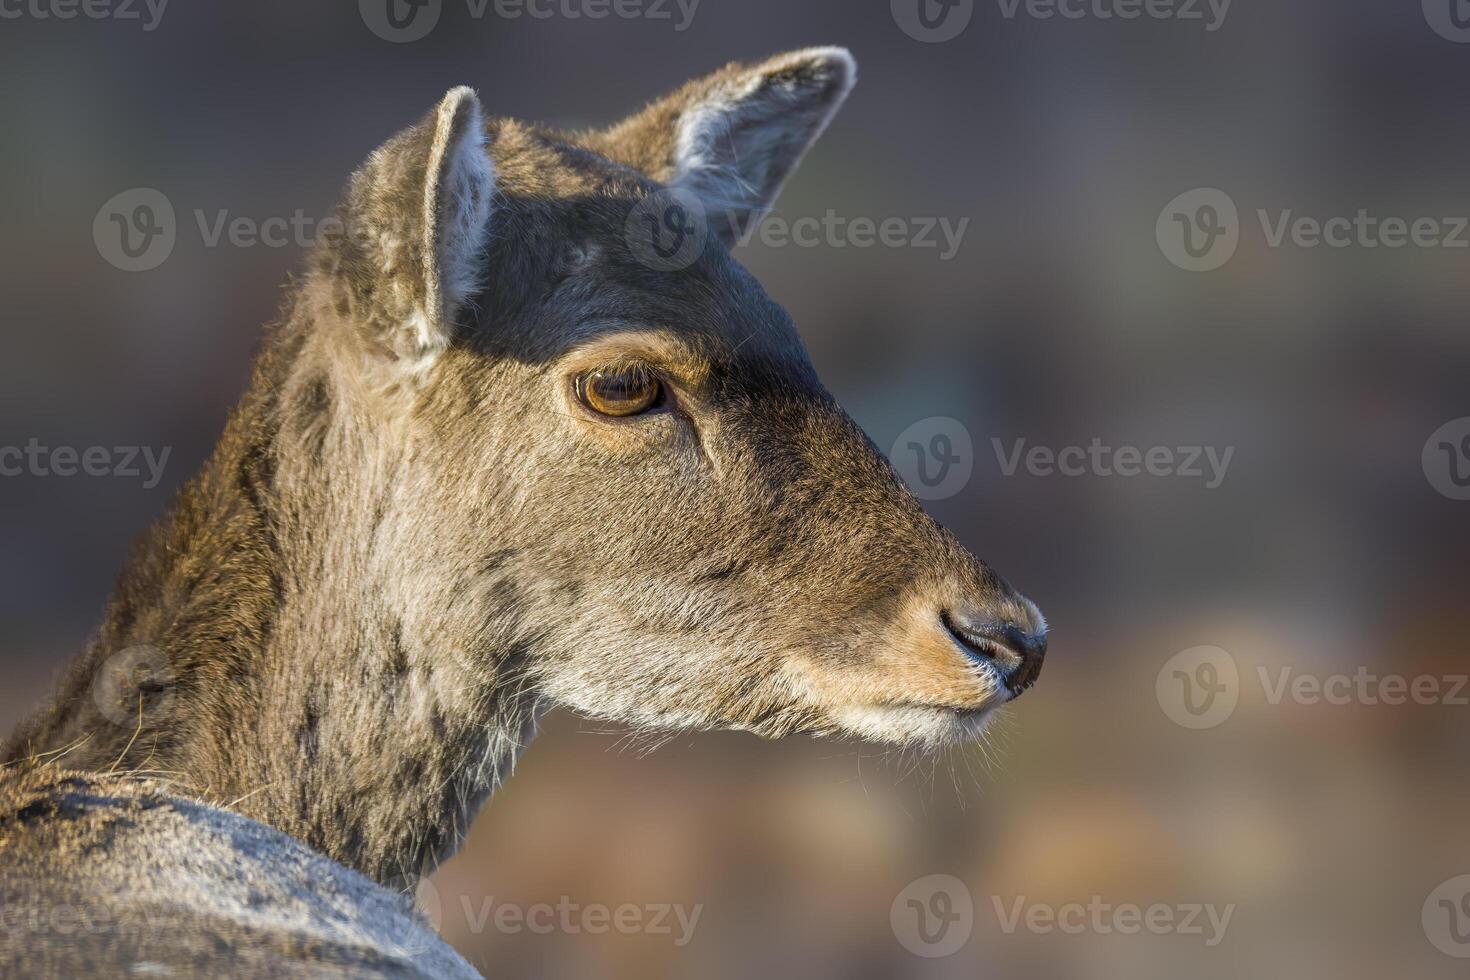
point(906, 724)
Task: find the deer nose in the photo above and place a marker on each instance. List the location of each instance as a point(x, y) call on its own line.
point(1013, 649)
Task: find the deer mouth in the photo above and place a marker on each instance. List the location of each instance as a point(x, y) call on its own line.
point(933, 675)
point(935, 725)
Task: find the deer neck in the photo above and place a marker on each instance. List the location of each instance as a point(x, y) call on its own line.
point(286, 644)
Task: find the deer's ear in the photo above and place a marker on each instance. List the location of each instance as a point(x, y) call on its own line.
point(734, 137)
point(418, 214)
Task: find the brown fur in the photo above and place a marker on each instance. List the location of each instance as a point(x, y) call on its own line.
point(412, 538)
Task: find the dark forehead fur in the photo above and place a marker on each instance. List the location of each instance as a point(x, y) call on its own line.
point(561, 271)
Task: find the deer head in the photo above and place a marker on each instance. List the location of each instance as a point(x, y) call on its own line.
point(611, 473)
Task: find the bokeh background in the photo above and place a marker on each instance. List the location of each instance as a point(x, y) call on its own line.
point(1059, 320)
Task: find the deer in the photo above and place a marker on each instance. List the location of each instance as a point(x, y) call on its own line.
point(494, 457)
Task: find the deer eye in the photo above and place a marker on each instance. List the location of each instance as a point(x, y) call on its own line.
point(619, 392)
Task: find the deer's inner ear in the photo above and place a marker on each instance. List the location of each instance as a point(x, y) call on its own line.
point(620, 392)
point(420, 210)
point(733, 138)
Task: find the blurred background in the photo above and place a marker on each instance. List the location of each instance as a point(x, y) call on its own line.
point(1063, 316)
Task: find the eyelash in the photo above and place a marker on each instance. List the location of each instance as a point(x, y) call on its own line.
point(638, 374)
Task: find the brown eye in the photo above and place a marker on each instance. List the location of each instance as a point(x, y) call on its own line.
point(619, 393)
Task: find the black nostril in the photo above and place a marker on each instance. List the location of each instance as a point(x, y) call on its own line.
point(1015, 652)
